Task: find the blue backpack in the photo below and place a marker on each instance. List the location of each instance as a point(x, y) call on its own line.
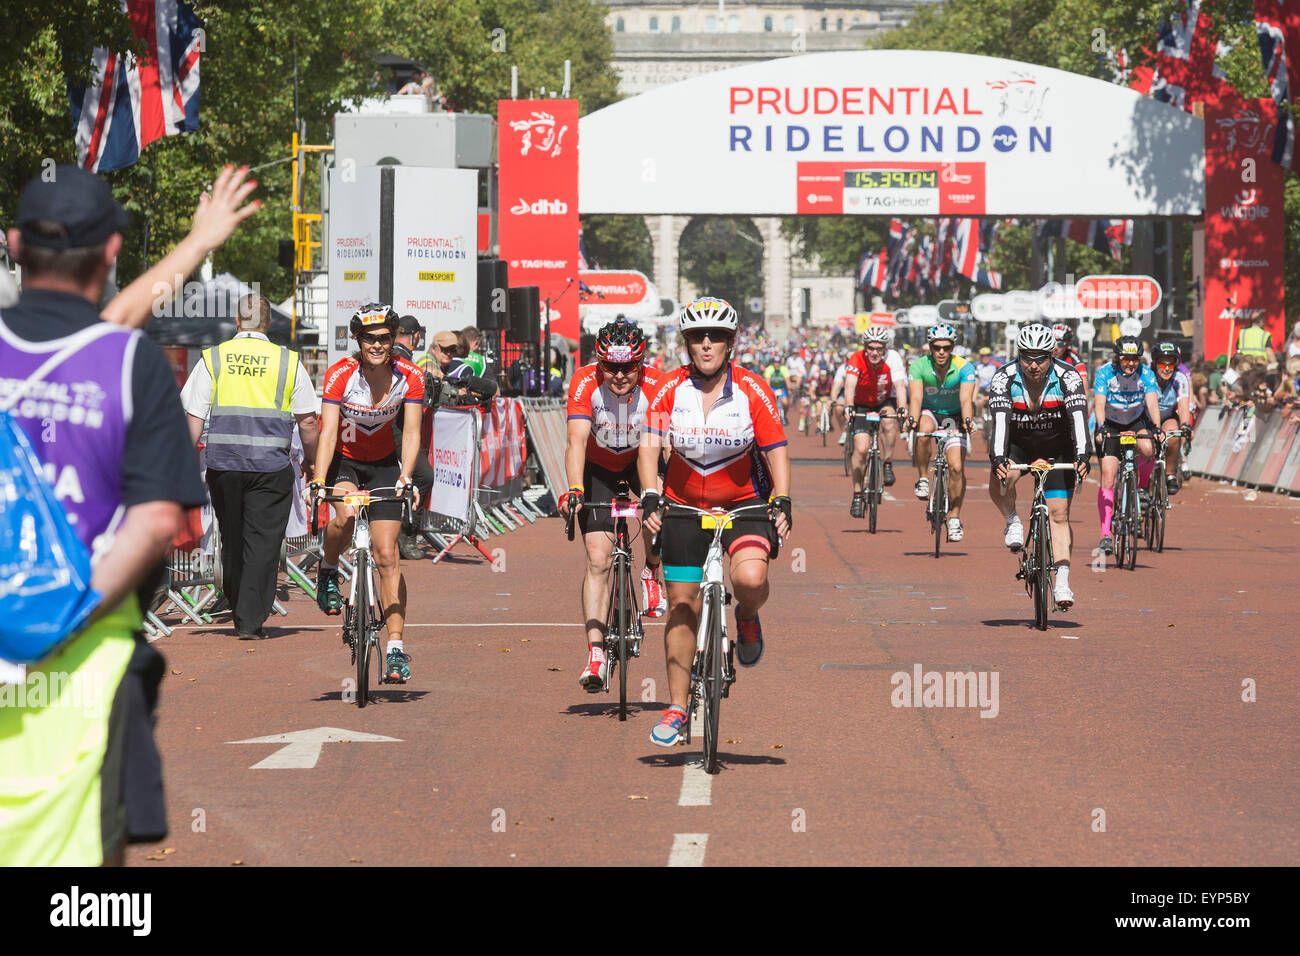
point(45, 592)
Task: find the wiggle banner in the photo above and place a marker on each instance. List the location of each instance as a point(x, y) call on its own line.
point(537, 150)
point(1245, 226)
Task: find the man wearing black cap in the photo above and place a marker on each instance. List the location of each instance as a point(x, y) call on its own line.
point(410, 334)
point(108, 427)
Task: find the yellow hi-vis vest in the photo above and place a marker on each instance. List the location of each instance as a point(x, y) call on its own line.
point(250, 427)
point(1253, 342)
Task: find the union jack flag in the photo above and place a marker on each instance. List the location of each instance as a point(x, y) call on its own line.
point(1105, 235)
point(1185, 71)
point(133, 101)
point(1277, 25)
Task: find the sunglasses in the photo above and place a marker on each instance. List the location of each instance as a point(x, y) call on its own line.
point(940, 348)
point(1031, 359)
point(696, 336)
point(367, 339)
point(1166, 365)
point(874, 348)
point(619, 368)
point(448, 349)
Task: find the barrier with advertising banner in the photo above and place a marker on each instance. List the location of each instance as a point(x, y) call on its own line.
point(1237, 445)
point(548, 433)
point(454, 456)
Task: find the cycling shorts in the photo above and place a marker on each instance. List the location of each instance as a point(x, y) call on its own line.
point(861, 425)
point(1058, 484)
point(944, 423)
point(598, 487)
point(1167, 415)
point(369, 474)
point(685, 545)
point(1111, 448)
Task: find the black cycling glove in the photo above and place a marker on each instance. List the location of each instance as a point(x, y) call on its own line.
point(780, 504)
point(650, 502)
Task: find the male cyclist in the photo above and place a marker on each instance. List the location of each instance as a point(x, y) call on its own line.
point(1124, 399)
point(607, 406)
point(728, 449)
point(876, 383)
point(778, 380)
point(1039, 408)
point(1173, 396)
point(1064, 349)
point(941, 387)
point(357, 450)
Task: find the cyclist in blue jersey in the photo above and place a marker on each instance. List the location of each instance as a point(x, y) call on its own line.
point(1174, 399)
point(1124, 399)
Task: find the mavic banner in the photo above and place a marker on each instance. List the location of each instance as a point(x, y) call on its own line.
point(537, 152)
point(1245, 225)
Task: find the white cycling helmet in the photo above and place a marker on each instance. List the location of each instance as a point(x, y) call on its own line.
point(708, 313)
point(1035, 338)
point(876, 333)
point(939, 332)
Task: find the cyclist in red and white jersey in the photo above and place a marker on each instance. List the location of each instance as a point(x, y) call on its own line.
point(357, 450)
point(727, 448)
point(608, 401)
point(875, 382)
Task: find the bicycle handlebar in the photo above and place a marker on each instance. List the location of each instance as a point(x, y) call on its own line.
point(723, 516)
point(595, 505)
point(1056, 466)
point(407, 492)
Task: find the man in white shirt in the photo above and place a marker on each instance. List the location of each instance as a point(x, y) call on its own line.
point(260, 390)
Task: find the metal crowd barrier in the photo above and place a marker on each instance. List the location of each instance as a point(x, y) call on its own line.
point(1255, 450)
point(547, 429)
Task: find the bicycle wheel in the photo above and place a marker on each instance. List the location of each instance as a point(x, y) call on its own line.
point(1042, 573)
point(1117, 523)
point(848, 455)
point(940, 507)
point(1158, 521)
point(1130, 525)
point(622, 595)
point(874, 486)
point(361, 627)
point(713, 680)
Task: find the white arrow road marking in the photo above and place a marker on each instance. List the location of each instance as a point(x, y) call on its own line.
point(688, 849)
point(697, 786)
point(303, 748)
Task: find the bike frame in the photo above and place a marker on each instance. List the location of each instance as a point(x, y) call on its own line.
point(1040, 528)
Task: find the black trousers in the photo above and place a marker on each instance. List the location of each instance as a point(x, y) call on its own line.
point(252, 510)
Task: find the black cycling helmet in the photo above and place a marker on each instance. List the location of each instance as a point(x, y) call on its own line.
point(621, 341)
point(374, 315)
point(1128, 346)
point(1166, 352)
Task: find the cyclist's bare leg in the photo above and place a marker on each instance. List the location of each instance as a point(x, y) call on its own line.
point(1005, 500)
point(684, 601)
point(861, 447)
point(338, 532)
point(392, 587)
point(888, 436)
point(749, 581)
point(956, 480)
point(921, 447)
point(1171, 447)
point(1058, 515)
point(595, 586)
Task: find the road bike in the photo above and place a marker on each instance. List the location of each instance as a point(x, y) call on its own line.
point(1158, 494)
point(1036, 568)
point(362, 621)
point(623, 631)
point(936, 510)
point(1127, 519)
point(713, 670)
point(873, 479)
point(823, 418)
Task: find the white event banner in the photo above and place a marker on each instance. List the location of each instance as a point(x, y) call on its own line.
point(435, 246)
point(454, 455)
point(893, 132)
point(354, 228)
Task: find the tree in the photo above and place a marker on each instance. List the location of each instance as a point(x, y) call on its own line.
point(619, 242)
point(723, 256)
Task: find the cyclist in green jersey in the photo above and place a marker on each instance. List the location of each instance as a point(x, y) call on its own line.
point(941, 390)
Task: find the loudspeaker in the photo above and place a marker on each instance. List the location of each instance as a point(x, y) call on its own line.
point(491, 278)
point(525, 314)
point(586, 349)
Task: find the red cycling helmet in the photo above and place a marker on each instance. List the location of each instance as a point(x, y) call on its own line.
point(621, 341)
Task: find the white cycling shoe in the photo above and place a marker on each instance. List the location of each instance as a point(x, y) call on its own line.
point(1063, 596)
point(1015, 536)
point(922, 488)
point(954, 529)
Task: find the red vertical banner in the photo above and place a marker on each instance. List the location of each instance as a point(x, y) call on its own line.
point(1245, 226)
point(537, 190)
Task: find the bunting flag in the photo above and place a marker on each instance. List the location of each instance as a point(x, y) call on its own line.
point(136, 100)
point(1185, 71)
point(1105, 235)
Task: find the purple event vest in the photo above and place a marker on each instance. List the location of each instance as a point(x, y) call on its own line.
point(76, 419)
